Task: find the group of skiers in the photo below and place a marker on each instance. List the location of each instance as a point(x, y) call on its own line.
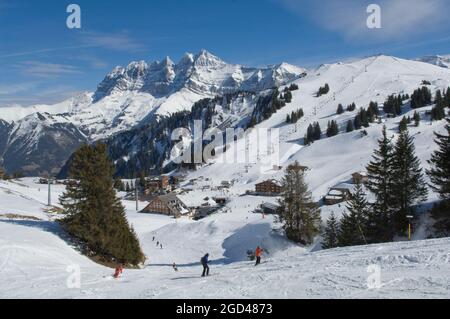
point(158, 244)
point(204, 262)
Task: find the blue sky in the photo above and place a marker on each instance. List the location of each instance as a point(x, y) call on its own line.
point(42, 61)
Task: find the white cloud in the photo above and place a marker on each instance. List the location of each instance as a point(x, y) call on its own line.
point(46, 70)
point(46, 50)
point(7, 89)
point(120, 41)
point(115, 41)
point(35, 94)
point(348, 17)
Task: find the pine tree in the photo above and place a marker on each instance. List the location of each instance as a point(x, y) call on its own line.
point(403, 126)
point(357, 122)
point(440, 165)
point(373, 108)
point(288, 97)
point(333, 129)
point(317, 131)
point(340, 109)
point(447, 97)
point(393, 105)
point(94, 214)
point(438, 99)
point(352, 231)
point(438, 111)
point(309, 135)
point(351, 107)
point(294, 118)
point(323, 90)
point(117, 183)
point(439, 174)
point(349, 126)
point(422, 97)
point(408, 120)
point(298, 213)
point(380, 174)
point(398, 105)
point(409, 184)
point(364, 117)
point(330, 235)
point(416, 118)
point(288, 118)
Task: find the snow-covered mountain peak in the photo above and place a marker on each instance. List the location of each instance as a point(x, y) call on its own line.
point(140, 92)
point(188, 58)
point(137, 66)
point(203, 73)
point(439, 60)
point(207, 60)
point(285, 72)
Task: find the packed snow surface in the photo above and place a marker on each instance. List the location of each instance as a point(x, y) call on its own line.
point(37, 262)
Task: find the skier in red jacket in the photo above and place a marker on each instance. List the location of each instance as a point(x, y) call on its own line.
point(258, 255)
point(118, 272)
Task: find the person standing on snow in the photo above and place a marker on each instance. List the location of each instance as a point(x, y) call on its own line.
point(258, 254)
point(118, 272)
point(205, 262)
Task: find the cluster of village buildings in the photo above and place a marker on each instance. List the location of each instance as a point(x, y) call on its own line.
point(162, 194)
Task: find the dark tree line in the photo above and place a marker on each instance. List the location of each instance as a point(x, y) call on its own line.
point(365, 116)
point(332, 129)
point(421, 97)
point(266, 106)
point(313, 133)
point(351, 107)
point(295, 116)
point(323, 90)
point(393, 105)
point(442, 100)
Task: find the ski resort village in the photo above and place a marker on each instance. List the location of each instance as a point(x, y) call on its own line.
point(205, 179)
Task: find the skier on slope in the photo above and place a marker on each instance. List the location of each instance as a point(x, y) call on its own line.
point(258, 254)
point(205, 262)
point(118, 272)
